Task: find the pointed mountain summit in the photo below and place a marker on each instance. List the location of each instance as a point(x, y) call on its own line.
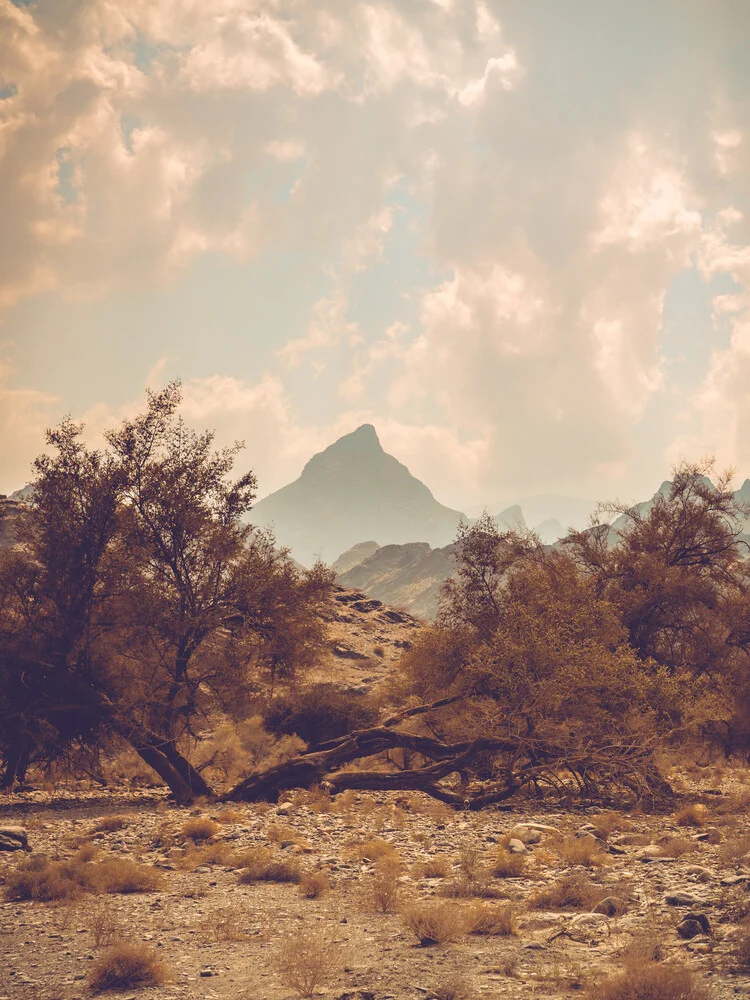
point(351, 491)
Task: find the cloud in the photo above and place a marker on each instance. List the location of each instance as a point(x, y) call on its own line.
point(24, 415)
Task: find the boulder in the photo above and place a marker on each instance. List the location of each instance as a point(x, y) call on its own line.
point(692, 925)
point(14, 838)
point(611, 906)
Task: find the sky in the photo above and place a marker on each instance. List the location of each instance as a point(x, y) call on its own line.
point(515, 237)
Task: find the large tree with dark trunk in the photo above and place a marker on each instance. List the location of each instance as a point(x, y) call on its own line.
point(139, 599)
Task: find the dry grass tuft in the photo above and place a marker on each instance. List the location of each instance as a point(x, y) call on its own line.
point(586, 851)
point(649, 981)
point(495, 920)
point(677, 847)
point(607, 823)
point(231, 816)
point(126, 966)
point(109, 824)
point(435, 922)
point(208, 854)
point(260, 865)
point(307, 961)
point(374, 850)
point(507, 865)
point(438, 867)
point(102, 924)
point(467, 888)
point(692, 815)
point(200, 828)
point(226, 923)
point(453, 987)
point(734, 849)
point(314, 884)
point(383, 892)
point(740, 950)
point(44, 881)
point(572, 892)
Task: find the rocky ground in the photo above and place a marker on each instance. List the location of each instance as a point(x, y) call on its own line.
point(676, 883)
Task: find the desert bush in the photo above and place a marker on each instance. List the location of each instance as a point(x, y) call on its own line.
point(314, 884)
point(208, 854)
point(692, 815)
point(200, 828)
point(227, 923)
point(125, 876)
point(260, 865)
point(468, 888)
point(572, 892)
point(126, 966)
point(609, 822)
point(227, 816)
point(649, 981)
point(308, 960)
point(277, 832)
point(109, 824)
point(383, 892)
point(437, 867)
point(102, 924)
point(677, 847)
point(734, 904)
point(507, 865)
point(87, 852)
point(469, 859)
point(318, 713)
point(436, 922)
point(740, 949)
point(585, 851)
point(374, 850)
point(734, 849)
point(496, 920)
point(453, 986)
point(44, 881)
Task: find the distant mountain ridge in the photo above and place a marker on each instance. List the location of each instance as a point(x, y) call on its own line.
point(351, 491)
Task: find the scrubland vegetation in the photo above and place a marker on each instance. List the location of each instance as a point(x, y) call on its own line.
point(145, 628)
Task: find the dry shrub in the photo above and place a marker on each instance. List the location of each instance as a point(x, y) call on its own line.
point(87, 852)
point(649, 981)
point(636, 840)
point(435, 922)
point(260, 865)
point(572, 892)
point(734, 850)
point(734, 904)
point(486, 918)
point(208, 854)
point(469, 859)
point(278, 833)
point(384, 889)
point(507, 865)
point(586, 851)
point(126, 966)
point(468, 888)
point(231, 816)
point(438, 812)
point(609, 822)
point(227, 923)
point(125, 876)
point(200, 828)
point(438, 867)
point(44, 881)
point(102, 924)
point(109, 824)
point(692, 815)
point(677, 847)
point(314, 884)
point(374, 850)
point(454, 986)
point(308, 960)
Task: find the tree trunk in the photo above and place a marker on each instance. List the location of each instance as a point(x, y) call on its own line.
point(192, 778)
point(184, 795)
point(16, 765)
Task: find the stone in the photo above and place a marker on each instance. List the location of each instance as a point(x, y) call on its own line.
point(692, 925)
point(735, 879)
point(611, 906)
point(587, 927)
point(684, 899)
point(284, 809)
point(14, 838)
point(516, 846)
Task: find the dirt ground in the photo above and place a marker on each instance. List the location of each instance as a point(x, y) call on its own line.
point(223, 939)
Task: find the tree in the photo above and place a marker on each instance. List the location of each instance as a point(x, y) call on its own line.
point(140, 597)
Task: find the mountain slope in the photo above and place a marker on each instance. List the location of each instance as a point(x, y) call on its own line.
point(352, 491)
point(406, 576)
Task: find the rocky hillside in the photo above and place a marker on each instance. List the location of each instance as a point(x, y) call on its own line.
point(350, 492)
point(407, 576)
